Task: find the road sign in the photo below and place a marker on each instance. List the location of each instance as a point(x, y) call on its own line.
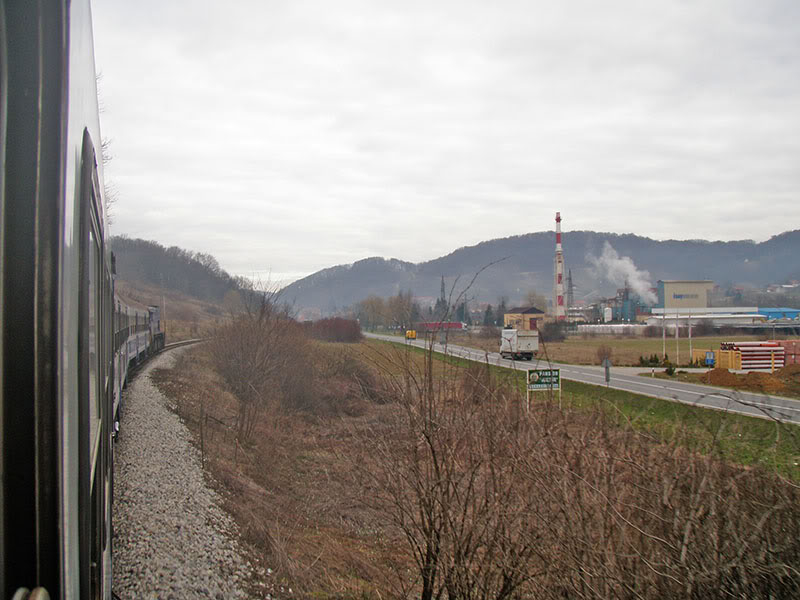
point(544, 379)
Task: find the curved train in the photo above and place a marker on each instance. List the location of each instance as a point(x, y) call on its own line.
point(67, 342)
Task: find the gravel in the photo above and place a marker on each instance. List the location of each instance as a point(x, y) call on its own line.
point(172, 539)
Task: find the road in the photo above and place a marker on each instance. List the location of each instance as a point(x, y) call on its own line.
point(626, 378)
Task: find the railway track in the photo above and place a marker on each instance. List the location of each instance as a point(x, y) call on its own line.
point(183, 343)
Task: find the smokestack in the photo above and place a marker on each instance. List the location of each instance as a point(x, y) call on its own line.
point(560, 305)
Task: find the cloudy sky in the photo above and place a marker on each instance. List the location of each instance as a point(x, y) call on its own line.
point(289, 136)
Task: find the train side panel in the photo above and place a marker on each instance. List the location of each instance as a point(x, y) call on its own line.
point(56, 352)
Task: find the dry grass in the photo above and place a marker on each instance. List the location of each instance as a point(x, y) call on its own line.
point(184, 317)
point(783, 382)
point(290, 491)
point(624, 351)
point(616, 512)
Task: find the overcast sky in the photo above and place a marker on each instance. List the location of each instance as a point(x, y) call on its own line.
point(290, 136)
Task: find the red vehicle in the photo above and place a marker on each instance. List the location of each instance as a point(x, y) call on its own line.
point(441, 325)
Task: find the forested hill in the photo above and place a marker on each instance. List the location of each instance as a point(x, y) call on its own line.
point(523, 263)
point(193, 273)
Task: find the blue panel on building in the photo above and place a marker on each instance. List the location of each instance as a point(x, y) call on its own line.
point(780, 313)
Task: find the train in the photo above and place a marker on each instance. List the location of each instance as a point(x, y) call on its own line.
point(67, 342)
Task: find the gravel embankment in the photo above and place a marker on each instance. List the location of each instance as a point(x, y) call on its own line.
point(172, 539)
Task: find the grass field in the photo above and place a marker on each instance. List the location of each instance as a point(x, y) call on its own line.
point(738, 438)
point(625, 351)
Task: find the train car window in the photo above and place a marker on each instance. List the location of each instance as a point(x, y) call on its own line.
point(91, 405)
point(93, 320)
point(3, 94)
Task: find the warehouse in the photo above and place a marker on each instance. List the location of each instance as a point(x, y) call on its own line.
point(684, 294)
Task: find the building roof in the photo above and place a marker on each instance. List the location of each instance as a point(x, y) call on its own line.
point(524, 310)
point(780, 313)
point(685, 281)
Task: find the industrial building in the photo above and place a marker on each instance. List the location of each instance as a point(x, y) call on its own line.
point(684, 294)
point(626, 307)
point(748, 317)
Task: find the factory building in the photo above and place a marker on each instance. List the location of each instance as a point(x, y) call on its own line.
point(684, 294)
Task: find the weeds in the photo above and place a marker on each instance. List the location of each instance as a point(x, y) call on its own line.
point(432, 472)
point(494, 504)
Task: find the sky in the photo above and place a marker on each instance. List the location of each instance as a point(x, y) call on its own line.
point(284, 137)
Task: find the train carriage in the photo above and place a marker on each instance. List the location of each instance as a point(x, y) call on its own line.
point(61, 330)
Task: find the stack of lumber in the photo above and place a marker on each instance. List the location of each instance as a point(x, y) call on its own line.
point(758, 355)
point(791, 349)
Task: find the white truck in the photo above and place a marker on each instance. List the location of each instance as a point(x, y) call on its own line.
point(519, 344)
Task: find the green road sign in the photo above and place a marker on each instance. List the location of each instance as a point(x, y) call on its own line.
point(544, 379)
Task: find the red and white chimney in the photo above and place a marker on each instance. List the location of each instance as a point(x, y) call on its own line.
point(560, 303)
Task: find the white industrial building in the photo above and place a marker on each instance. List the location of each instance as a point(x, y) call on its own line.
point(733, 316)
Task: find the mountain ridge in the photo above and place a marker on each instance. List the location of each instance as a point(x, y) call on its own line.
point(524, 262)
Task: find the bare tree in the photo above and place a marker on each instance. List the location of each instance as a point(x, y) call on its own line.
point(253, 353)
point(496, 503)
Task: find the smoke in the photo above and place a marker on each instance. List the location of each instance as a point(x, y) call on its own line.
point(620, 269)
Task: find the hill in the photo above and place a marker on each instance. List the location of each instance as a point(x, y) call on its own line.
point(189, 287)
point(194, 274)
point(522, 263)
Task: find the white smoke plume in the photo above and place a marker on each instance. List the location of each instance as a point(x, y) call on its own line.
point(620, 269)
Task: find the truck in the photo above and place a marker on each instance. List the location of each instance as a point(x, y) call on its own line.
point(519, 344)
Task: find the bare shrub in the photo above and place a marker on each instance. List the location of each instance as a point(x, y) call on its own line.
point(655, 521)
point(704, 327)
point(343, 385)
point(496, 503)
point(436, 473)
point(604, 352)
point(489, 332)
point(336, 329)
point(652, 331)
point(259, 354)
point(553, 331)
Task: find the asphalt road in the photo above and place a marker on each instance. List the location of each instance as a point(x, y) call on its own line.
point(626, 378)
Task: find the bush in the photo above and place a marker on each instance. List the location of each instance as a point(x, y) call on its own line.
point(262, 356)
point(552, 332)
point(336, 329)
point(670, 369)
point(490, 498)
point(652, 331)
point(344, 385)
point(604, 352)
point(704, 327)
point(652, 361)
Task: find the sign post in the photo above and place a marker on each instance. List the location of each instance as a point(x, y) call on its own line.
point(607, 367)
point(543, 379)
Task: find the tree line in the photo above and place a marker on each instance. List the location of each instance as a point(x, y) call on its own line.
point(196, 274)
